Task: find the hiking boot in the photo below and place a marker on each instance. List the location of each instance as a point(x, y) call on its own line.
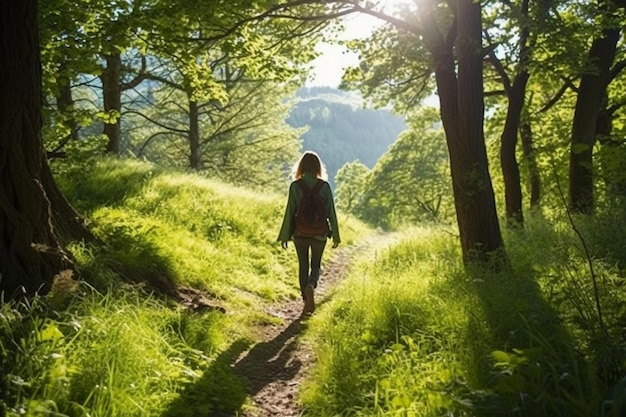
point(309, 300)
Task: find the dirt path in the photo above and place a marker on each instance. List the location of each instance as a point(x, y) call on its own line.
point(277, 364)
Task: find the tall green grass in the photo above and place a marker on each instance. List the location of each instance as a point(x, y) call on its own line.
point(114, 354)
point(112, 343)
point(413, 333)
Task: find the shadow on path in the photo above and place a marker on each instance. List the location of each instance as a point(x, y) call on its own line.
point(273, 370)
point(271, 361)
point(239, 373)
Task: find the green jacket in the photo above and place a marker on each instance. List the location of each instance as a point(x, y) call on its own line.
point(295, 195)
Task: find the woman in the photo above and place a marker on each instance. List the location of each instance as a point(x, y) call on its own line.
point(309, 171)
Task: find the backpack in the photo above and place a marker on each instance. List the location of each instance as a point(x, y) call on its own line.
point(312, 214)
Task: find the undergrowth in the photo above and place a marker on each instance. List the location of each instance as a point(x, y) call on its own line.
point(414, 333)
point(120, 353)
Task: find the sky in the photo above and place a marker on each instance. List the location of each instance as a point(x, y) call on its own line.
point(328, 67)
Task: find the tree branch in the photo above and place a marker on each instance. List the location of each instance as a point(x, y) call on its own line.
point(558, 95)
point(161, 125)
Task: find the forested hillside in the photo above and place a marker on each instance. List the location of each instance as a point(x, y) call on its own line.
point(340, 129)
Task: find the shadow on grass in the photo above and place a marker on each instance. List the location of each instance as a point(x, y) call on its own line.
point(536, 369)
point(238, 373)
point(107, 185)
point(132, 257)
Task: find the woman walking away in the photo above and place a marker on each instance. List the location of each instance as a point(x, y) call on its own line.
point(310, 219)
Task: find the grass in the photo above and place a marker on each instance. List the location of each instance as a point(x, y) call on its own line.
point(413, 333)
point(111, 354)
point(110, 345)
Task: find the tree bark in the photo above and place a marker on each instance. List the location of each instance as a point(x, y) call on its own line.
point(65, 105)
point(508, 146)
point(531, 161)
point(195, 154)
point(615, 185)
point(68, 224)
point(30, 253)
point(462, 111)
point(111, 79)
point(592, 89)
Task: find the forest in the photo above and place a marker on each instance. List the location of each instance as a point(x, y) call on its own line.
point(341, 130)
point(146, 147)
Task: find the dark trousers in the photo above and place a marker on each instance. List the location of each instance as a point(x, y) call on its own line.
point(304, 245)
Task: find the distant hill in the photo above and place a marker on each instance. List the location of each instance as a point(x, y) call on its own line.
point(340, 129)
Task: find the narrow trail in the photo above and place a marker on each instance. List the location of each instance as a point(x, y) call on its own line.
point(277, 364)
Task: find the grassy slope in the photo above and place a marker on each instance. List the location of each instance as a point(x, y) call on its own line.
point(111, 347)
point(414, 334)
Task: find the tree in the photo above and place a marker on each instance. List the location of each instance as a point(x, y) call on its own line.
point(83, 38)
point(208, 113)
point(411, 181)
point(450, 33)
point(462, 110)
point(30, 251)
point(591, 93)
point(350, 185)
point(510, 52)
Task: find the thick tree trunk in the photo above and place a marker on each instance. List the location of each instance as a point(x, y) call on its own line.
point(592, 89)
point(68, 224)
point(195, 154)
point(30, 254)
point(531, 161)
point(111, 79)
point(462, 108)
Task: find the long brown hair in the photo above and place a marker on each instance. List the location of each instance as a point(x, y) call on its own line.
point(310, 162)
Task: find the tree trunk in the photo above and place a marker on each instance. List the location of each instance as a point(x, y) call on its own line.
point(508, 146)
point(462, 108)
point(111, 79)
point(30, 253)
point(531, 161)
point(68, 223)
point(65, 105)
point(614, 180)
point(592, 89)
point(195, 154)
point(516, 93)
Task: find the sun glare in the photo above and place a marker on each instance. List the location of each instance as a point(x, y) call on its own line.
point(334, 58)
point(361, 25)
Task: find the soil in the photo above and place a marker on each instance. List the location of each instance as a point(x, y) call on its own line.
point(277, 364)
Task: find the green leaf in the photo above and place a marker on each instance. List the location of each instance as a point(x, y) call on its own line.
point(51, 332)
point(401, 401)
point(500, 357)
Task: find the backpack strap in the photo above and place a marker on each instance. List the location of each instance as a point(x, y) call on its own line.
point(303, 186)
point(316, 188)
